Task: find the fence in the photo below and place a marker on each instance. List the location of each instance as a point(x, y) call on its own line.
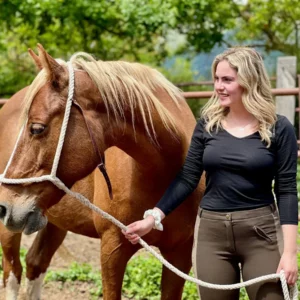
point(201, 83)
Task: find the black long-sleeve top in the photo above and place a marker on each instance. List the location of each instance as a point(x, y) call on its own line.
point(239, 172)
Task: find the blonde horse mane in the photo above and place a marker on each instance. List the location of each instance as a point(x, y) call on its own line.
point(121, 84)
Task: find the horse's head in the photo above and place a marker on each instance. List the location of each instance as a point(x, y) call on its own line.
point(110, 103)
point(22, 206)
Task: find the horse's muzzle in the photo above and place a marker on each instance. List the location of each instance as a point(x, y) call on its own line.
point(20, 219)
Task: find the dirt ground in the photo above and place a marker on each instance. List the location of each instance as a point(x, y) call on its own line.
point(75, 248)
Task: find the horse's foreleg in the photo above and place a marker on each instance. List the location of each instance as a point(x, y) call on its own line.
point(12, 268)
point(181, 257)
point(39, 257)
point(115, 253)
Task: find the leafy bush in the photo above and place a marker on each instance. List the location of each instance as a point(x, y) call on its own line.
point(142, 278)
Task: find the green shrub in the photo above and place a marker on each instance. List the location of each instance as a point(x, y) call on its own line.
point(142, 278)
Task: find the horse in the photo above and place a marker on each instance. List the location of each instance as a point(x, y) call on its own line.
point(125, 117)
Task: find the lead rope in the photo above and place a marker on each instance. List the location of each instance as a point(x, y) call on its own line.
point(288, 295)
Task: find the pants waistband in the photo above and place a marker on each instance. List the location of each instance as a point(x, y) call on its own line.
point(237, 215)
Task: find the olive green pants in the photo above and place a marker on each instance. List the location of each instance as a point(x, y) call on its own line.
point(238, 245)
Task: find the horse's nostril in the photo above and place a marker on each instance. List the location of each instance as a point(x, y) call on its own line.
point(2, 211)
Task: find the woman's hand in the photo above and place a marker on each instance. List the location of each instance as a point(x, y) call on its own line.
point(288, 263)
point(138, 229)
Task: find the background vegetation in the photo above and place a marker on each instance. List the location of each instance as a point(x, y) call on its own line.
point(149, 31)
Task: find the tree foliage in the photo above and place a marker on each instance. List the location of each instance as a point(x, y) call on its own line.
point(137, 30)
point(204, 22)
point(110, 29)
point(271, 25)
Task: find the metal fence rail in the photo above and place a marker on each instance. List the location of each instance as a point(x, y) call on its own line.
point(275, 92)
point(208, 94)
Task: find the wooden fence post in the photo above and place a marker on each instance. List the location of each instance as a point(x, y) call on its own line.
point(286, 78)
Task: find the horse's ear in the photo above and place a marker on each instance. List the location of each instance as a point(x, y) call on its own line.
point(36, 59)
point(53, 69)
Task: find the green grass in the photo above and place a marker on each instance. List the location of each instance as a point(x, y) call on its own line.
point(78, 272)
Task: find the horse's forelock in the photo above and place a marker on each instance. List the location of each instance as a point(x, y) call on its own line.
point(32, 90)
point(39, 81)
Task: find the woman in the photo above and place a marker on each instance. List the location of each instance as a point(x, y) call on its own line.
point(242, 145)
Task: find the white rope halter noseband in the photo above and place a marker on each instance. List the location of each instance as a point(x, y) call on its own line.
point(288, 295)
point(51, 177)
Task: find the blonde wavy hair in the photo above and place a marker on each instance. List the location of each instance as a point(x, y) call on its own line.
point(257, 97)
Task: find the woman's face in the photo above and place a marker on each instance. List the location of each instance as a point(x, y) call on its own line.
point(227, 86)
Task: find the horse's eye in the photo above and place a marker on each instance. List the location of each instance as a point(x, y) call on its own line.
point(36, 128)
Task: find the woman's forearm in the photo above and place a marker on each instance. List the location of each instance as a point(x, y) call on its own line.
point(290, 238)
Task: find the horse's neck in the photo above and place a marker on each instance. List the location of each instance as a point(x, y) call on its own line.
point(168, 152)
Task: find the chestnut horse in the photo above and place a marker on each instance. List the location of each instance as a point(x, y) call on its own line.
point(139, 119)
